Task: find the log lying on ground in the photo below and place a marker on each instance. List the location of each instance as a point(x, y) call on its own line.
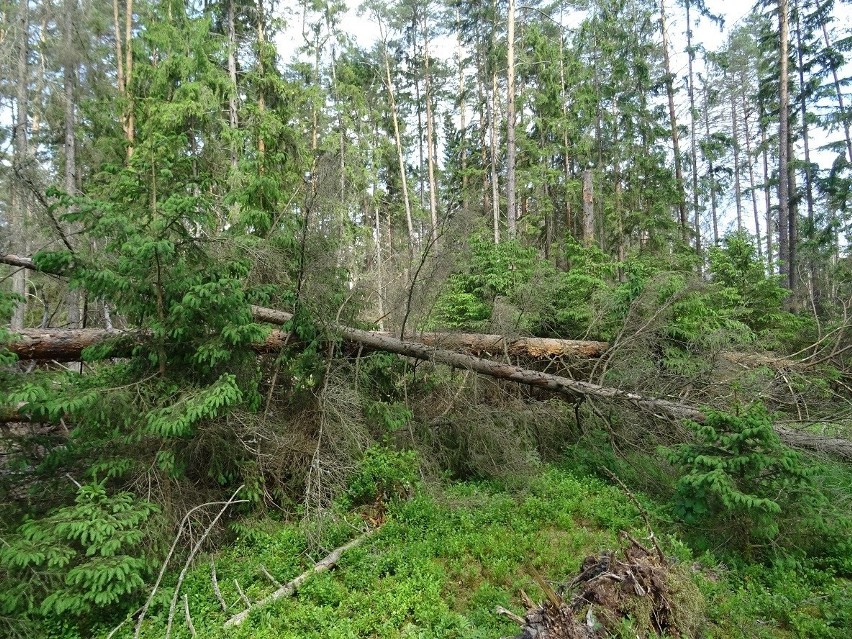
point(66, 345)
point(384, 342)
point(570, 388)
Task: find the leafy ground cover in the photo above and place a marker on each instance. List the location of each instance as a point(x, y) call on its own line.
point(446, 557)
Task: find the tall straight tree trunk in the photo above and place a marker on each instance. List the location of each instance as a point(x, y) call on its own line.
point(430, 133)
point(750, 163)
point(495, 187)
point(484, 126)
point(684, 223)
point(785, 266)
point(696, 209)
point(233, 115)
point(130, 117)
point(511, 213)
point(837, 88)
point(399, 150)
point(21, 159)
point(261, 100)
point(70, 146)
point(589, 209)
point(462, 114)
point(711, 171)
point(767, 191)
point(736, 142)
point(803, 109)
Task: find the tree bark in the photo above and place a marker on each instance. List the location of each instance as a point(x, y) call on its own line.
point(430, 133)
point(589, 209)
point(45, 343)
point(750, 164)
point(711, 170)
point(681, 205)
point(784, 267)
point(20, 208)
point(735, 138)
point(233, 116)
point(399, 150)
point(65, 345)
point(495, 186)
point(693, 152)
point(511, 213)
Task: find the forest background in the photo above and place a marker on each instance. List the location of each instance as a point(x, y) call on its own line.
point(228, 227)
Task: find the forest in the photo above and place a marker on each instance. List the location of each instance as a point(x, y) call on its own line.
point(425, 318)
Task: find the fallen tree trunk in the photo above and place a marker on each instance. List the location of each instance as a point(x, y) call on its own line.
point(384, 342)
point(66, 345)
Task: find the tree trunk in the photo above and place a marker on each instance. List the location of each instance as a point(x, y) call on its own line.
point(20, 209)
point(693, 152)
point(750, 163)
point(785, 266)
point(803, 109)
point(738, 194)
point(44, 344)
point(767, 192)
point(588, 209)
point(681, 205)
point(495, 186)
point(712, 171)
point(430, 134)
point(66, 345)
point(233, 116)
point(403, 178)
point(511, 213)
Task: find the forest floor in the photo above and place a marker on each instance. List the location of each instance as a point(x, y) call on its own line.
point(445, 559)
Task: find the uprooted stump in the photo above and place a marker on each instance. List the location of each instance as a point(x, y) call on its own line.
point(639, 587)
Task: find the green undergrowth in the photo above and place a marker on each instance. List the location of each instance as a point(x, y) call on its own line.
point(447, 556)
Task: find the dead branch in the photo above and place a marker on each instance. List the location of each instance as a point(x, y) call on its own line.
point(290, 587)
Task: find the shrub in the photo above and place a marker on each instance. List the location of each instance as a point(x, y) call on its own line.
point(736, 475)
point(83, 558)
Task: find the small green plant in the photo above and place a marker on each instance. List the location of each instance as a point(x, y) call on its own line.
point(79, 560)
point(736, 475)
point(383, 474)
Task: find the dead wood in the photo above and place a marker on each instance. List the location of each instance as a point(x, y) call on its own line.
point(55, 344)
point(638, 584)
point(290, 587)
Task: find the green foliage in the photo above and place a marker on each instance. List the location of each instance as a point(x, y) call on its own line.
point(737, 475)
point(751, 296)
point(78, 561)
point(382, 475)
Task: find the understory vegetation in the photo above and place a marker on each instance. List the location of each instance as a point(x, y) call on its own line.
point(477, 486)
point(468, 324)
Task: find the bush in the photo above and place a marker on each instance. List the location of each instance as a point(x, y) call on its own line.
point(383, 475)
point(737, 475)
point(78, 560)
